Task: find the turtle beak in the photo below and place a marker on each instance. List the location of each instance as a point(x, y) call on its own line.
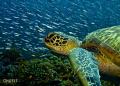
point(48, 40)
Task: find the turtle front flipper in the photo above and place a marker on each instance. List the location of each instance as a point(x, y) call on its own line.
point(85, 66)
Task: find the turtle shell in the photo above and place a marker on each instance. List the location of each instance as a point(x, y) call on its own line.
point(105, 44)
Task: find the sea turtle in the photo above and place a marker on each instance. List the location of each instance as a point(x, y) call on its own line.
point(99, 51)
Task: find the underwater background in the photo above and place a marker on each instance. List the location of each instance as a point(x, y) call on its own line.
point(24, 24)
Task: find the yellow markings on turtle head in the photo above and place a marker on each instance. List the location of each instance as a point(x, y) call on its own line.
point(51, 35)
point(60, 43)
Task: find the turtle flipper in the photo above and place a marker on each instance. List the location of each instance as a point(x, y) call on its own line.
point(85, 66)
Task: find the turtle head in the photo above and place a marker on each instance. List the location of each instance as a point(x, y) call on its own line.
point(61, 43)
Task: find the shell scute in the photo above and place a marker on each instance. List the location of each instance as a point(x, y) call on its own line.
point(107, 41)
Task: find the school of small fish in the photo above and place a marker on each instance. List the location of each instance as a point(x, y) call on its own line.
point(24, 23)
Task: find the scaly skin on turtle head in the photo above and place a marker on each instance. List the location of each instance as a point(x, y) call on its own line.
point(61, 43)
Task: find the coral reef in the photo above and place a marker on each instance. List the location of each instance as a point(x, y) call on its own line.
point(50, 71)
point(11, 56)
point(8, 62)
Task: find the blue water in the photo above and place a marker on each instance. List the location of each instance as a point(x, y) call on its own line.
point(24, 23)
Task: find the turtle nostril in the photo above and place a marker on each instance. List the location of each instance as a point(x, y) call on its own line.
point(52, 41)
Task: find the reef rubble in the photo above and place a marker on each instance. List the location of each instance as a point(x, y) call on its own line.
point(52, 70)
